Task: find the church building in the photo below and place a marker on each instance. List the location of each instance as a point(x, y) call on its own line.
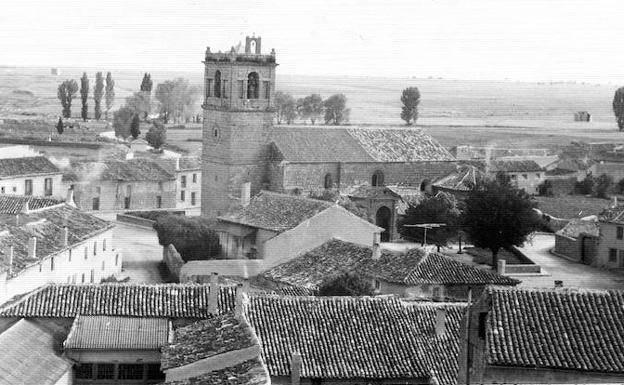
point(241, 144)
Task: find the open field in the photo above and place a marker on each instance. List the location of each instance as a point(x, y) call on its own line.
point(498, 113)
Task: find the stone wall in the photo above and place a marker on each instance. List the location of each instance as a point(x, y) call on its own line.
point(568, 247)
point(173, 261)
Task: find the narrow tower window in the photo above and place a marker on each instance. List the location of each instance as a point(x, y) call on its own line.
point(217, 84)
point(253, 83)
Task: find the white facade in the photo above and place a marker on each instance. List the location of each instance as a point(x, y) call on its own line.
point(18, 185)
point(188, 189)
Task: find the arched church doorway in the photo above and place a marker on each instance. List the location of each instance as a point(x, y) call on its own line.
point(382, 219)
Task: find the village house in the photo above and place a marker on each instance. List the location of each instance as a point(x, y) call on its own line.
point(460, 182)
point(277, 227)
point(121, 185)
point(223, 332)
point(414, 274)
point(30, 175)
point(579, 240)
point(45, 240)
point(241, 144)
point(543, 336)
point(526, 175)
point(187, 171)
point(610, 250)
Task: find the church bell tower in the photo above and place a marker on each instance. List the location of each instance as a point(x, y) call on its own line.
point(239, 88)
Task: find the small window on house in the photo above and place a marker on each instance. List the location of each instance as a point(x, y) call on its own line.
point(83, 371)
point(194, 178)
point(376, 284)
point(83, 278)
point(105, 371)
point(14, 189)
point(436, 292)
point(116, 259)
point(182, 195)
point(126, 203)
point(183, 181)
point(47, 187)
point(130, 372)
point(28, 187)
point(69, 255)
point(2, 189)
point(192, 199)
point(104, 244)
point(328, 181)
point(215, 133)
point(158, 201)
point(40, 268)
point(92, 275)
point(620, 232)
point(95, 248)
point(74, 278)
point(482, 324)
point(378, 178)
point(95, 203)
point(86, 252)
point(621, 253)
point(52, 264)
point(613, 255)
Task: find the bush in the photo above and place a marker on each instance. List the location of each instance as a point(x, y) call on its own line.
point(346, 284)
point(603, 186)
point(585, 187)
point(194, 238)
point(545, 188)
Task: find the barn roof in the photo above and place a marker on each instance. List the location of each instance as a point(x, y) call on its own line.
point(32, 165)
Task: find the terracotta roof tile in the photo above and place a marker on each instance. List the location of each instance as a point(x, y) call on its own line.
point(138, 169)
point(33, 165)
point(117, 333)
point(463, 179)
point(556, 328)
point(207, 338)
point(250, 372)
point(114, 299)
point(576, 227)
point(356, 337)
point(13, 204)
point(276, 212)
point(514, 166)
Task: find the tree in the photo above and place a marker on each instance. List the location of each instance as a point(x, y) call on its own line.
point(139, 102)
point(193, 237)
point(109, 92)
point(545, 188)
point(134, 126)
point(59, 126)
point(603, 186)
point(310, 107)
point(176, 99)
point(122, 118)
point(586, 186)
point(410, 99)
point(157, 135)
point(286, 107)
point(336, 110)
point(84, 95)
point(345, 284)
point(66, 93)
point(146, 91)
point(618, 107)
point(498, 216)
point(441, 208)
point(98, 92)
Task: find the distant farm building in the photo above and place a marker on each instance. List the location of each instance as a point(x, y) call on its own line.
point(55, 71)
point(582, 116)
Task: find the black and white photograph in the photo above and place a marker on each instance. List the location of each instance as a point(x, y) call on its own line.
point(328, 192)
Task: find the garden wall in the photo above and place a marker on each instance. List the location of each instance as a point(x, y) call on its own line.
point(173, 261)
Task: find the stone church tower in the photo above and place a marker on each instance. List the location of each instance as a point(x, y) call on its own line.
point(239, 90)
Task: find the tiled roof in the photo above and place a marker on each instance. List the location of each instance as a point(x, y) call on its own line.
point(356, 337)
point(612, 215)
point(541, 160)
point(576, 227)
point(414, 267)
point(32, 165)
point(373, 192)
point(207, 338)
point(250, 372)
point(13, 204)
point(462, 180)
point(47, 225)
point(353, 144)
point(276, 212)
point(30, 355)
point(115, 299)
point(514, 166)
point(138, 169)
point(187, 163)
point(556, 328)
point(117, 333)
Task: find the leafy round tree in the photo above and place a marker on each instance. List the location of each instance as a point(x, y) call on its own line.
point(498, 216)
point(193, 237)
point(66, 93)
point(336, 111)
point(286, 108)
point(618, 107)
point(346, 284)
point(59, 126)
point(122, 118)
point(410, 99)
point(134, 126)
point(310, 107)
point(157, 135)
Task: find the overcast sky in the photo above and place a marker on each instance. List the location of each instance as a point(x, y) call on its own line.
point(469, 39)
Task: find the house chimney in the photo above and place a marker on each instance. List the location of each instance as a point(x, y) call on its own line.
point(500, 267)
point(558, 284)
point(213, 295)
point(246, 285)
point(245, 194)
point(25, 208)
point(295, 368)
point(177, 164)
point(32, 247)
point(238, 306)
point(614, 202)
point(8, 258)
point(17, 219)
point(440, 327)
point(70, 197)
point(376, 246)
point(65, 236)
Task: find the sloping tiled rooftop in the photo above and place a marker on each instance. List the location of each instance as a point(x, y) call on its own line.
point(32, 165)
point(356, 337)
point(276, 212)
point(613, 215)
point(464, 179)
point(30, 355)
point(47, 225)
point(557, 329)
point(117, 333)
point(187, 163)
point(414, 267)
point(355, 144)
point(133, 170)
point(577, 227)
point(13, 204)
point(514, 166)
point(250, 372)
point(115, 299)
point(207, 338)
